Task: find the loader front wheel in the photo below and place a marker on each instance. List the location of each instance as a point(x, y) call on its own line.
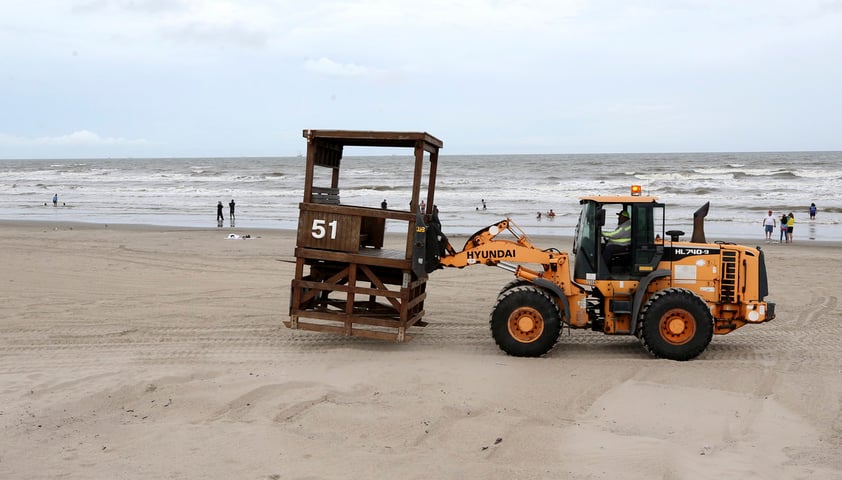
point(677, 324)
point(511, 285)
point(525, 322)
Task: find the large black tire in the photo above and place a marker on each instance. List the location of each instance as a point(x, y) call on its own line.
point(525, 322)
point(677, 324)
point(514, 283)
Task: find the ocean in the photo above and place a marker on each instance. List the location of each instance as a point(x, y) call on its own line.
point(740, 187)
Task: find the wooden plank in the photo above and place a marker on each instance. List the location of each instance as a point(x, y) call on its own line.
point(295, 298)
point(318, 287)
point(400, 215)
point(341, 318)
point(431, 181)
point(416, 320)
point(382, 258)
point(325, 195)
point(329, 231)
point(326, 199)
point(373, 138)
point(355, 332)
point(416, 300)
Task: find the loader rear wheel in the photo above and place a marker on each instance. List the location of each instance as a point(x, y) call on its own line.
point(525, 322)
point(677, 324)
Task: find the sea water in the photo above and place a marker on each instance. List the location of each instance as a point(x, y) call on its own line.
point(741, 188)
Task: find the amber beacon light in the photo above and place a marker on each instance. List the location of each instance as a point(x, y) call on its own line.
point(636, 190)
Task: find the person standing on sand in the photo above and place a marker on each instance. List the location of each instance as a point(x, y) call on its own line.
point(813, 211)
point(219, 217)
point(231, 209)
point(790, 226)
point(769, 224)
point(55, 199)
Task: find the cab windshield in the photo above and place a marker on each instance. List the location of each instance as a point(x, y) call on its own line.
point(585, 242)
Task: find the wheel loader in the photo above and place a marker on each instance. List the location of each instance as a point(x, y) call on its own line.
point(674, 295)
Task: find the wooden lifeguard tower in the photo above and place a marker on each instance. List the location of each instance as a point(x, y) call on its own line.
point(345, 281)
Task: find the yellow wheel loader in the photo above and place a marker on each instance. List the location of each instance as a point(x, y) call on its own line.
point(673, 295)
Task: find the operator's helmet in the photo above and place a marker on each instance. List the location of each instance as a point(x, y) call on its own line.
point(623, 213)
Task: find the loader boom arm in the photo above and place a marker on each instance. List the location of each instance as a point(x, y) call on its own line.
point(483, 248)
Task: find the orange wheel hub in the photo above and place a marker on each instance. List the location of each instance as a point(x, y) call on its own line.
point(526, 325)
point(677, 326)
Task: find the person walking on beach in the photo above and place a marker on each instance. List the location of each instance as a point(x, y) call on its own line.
point(231, 212)
point(384, 205)
point(219, 217)
point(790, 226)
point(55, 199)
point(813, 211)
point(769, 224)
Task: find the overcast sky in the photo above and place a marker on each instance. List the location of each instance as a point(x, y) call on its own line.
point(161, 78)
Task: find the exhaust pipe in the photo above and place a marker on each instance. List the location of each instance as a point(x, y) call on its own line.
point(699, 224)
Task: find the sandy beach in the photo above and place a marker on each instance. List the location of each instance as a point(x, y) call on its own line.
point(159, 352)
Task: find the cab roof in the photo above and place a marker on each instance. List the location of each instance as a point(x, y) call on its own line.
point(618, 199)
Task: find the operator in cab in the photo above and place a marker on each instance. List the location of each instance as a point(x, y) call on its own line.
point(617, 240)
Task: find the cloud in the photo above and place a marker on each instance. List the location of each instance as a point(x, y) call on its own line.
point(142, 6)
point(326, 66)
point(79, 138)
point(221, 34)
point(184, 21)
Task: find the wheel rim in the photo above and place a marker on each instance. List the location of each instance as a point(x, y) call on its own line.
point(526, 325)
point(677, 326)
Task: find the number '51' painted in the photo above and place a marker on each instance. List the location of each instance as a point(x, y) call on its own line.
point(319, 229)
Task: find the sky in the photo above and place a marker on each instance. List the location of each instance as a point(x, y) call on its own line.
point(221, 78)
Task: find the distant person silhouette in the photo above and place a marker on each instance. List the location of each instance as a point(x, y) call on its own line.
point(219, 217)
point(55, 200)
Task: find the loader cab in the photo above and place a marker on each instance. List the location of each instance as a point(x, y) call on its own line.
point(645, 249)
